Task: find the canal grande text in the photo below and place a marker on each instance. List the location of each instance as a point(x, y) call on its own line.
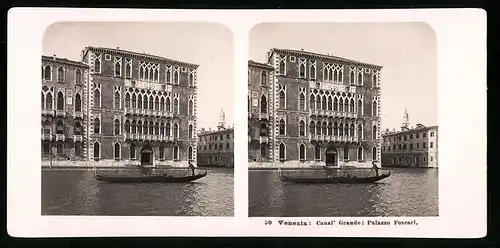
point(373, 222)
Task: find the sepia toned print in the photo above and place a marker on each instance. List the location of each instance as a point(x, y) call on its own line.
point(319, 140)
point(121, 129)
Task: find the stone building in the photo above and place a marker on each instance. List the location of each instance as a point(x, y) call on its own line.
point(142, 108)
point(260, 95)
point(324, 110)
point(216, 148)
point(410, 147)
point(64, 109)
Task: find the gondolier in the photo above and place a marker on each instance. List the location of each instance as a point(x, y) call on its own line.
point(191, 167)
point(375, 167)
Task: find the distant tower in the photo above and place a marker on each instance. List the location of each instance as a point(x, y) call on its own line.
point(406, 121)
point(222, 120)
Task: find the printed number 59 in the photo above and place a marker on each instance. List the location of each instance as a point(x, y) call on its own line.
point(268, 222)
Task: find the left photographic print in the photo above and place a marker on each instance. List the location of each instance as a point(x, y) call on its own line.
point(137, 119)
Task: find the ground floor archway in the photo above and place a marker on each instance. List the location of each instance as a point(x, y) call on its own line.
point(332, 157)
point(146, 155)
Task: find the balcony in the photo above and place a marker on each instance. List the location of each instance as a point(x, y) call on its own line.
point(313, 112)
point(264, 139)
point(61, 113)
point(332, 86)
point(148, 85)
point(167, 114)
point(60, 137)
point(77, 138)
point(263, 116)
point(78, 114)
point(49, 112)
point(157, 112)
point(351, 115)
point(148, 112)
point(47, 136)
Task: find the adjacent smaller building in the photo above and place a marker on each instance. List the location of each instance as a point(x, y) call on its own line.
point(410, 147)
point(216, 147)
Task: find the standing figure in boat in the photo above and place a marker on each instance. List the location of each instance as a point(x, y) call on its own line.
point(375, 168)
point(191, 167)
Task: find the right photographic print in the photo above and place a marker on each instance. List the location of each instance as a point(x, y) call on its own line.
point(342, 120)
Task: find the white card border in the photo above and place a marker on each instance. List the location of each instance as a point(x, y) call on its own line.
point(461, 35)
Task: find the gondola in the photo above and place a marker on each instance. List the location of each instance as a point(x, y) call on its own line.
point(149, 178)
point(328, 180)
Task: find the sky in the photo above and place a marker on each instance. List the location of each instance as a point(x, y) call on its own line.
point(208, 45)
point(407, 52)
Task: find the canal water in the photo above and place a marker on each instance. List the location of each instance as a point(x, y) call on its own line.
point(76, 192)
point(407, 192)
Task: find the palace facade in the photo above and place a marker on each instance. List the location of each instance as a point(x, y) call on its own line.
point(260, 95)
point(140, 108)
point(64, 109)
point(411, 147)
point(216, 147)
point(322, 110)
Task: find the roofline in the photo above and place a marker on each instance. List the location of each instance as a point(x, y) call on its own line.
point(323, 56)
point(139, 55)
point(411, 130)
point(216, 131)
point(63, 61)
point(261, 65)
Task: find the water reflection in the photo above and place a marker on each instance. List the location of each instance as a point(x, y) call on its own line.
point(407, 192)
point(76, 192)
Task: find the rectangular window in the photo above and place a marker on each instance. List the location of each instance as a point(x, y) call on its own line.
point(424, 135)
point(292, 58)
point(431, 158)
point(424, 145)
point(46, 148)
point(59, 147)
point(107, 57)
point(77, 149)
point(418, 135)
point(432, 144)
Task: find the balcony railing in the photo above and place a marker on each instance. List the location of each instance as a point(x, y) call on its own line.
point(78, 114)
point(332, 86)
point(147, 85)
point(263, 116)
point(322, 137)
point(148, 137)
point(60, 137)
point(264, 139)
point(48, 112)
point(47, 136)
point(60, 113)
point(138, 111)
point(77, 138)
point(331, 113)
point(167, 113)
